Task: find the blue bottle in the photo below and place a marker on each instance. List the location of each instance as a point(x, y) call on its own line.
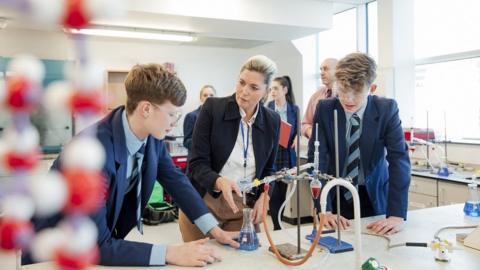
point(472, 205)
point(248, 236)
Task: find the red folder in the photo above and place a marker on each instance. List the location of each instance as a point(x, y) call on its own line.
point(285, 129)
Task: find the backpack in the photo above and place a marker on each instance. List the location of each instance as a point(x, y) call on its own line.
point(157, 210)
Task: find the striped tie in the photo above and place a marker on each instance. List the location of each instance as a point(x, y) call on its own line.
point(136, 179)
point(353, 149)
point(353, 161)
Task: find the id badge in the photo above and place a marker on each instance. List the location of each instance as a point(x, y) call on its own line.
point(244, 183)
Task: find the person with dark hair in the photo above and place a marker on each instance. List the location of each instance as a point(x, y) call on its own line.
point(283, 102)
point(132, 137)
point(235, 141)
point(189, 123)
point(372, 148)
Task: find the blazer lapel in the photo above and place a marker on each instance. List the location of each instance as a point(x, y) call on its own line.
point(342, 138)
point(291, 116)
point(369, 134)
point(259, 141)
point(148, 170)
point(121, 154)
point(232, 124)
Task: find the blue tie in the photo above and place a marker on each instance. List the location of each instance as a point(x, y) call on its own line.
point(353, 161)
point(136, 179)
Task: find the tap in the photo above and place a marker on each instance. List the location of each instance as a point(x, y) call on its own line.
point(356, 210)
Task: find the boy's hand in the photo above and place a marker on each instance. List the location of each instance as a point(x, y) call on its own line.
point(224, 237)
point(195, 253)
point(388, 226)
point(332, 221)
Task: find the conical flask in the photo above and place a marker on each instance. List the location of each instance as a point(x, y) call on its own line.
point(472, 205)
point(248, 236)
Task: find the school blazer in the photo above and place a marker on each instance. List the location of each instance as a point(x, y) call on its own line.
point(214, 137)
point(383, 151)
point(157, 166)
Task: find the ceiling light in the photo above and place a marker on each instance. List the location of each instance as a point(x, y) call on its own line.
point(134, 33)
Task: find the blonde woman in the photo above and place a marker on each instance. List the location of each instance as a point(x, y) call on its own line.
point(235, 139)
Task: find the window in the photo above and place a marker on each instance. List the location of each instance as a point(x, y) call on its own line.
point(341, 39)
point(447, 83)
point(372, 24)
point(449, 90)
point(446, 27)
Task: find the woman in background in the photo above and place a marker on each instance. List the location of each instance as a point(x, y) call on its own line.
point(283, 102)
point(191, 117)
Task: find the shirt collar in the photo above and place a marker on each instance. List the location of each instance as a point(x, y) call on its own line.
point(252, 119)
point(133, 143)
point(359, 112)
point(280, 109)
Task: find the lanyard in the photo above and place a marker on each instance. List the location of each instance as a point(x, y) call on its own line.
point(245, 148)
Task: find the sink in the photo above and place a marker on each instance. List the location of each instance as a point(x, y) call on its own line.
point(454, 172)
point(423, 169)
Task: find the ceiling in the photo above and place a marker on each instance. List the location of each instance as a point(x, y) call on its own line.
point(233, 23)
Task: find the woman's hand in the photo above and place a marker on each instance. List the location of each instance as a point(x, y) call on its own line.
point(294, 144)
point(228, 187)
point(257, 213)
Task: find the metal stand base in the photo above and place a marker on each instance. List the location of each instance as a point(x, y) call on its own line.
point(334, 246)
point(289, 251)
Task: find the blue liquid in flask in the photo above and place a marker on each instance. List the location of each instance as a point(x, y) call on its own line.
point(248, 236)
point(472, 205)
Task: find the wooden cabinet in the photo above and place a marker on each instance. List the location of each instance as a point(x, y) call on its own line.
point(451, 193)
point(115, 88)
point(419, 201)
point(422, 193)
point(429, 192)
point(423, 185)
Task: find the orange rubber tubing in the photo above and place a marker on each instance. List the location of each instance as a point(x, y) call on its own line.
point(274, 248)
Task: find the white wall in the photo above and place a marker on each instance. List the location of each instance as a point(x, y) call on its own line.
point(396, 65)
point(289, 62)
point(195, 65)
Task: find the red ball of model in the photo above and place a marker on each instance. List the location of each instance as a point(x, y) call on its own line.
point(86, 190)
point(15, 233)
point(75, 15)
point(73, 261)
point(87, 102)
point(15, 161)
point(21, 94)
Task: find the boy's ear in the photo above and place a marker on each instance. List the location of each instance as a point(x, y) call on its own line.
point(373, 88)
point(144, 108)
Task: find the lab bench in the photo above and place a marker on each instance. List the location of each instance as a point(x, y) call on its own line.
point(420, 226)
point(430, 190)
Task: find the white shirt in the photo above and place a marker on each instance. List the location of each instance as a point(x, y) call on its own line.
point(233, 168)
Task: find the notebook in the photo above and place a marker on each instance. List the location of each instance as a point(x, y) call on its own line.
point(285, 129)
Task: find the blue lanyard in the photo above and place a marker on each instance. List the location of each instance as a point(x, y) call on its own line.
point(245, 146)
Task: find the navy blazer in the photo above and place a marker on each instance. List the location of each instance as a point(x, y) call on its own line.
point(188, 125)
point(292, 111)
point(383, 151)
point(215, 135)
point(157, 164)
